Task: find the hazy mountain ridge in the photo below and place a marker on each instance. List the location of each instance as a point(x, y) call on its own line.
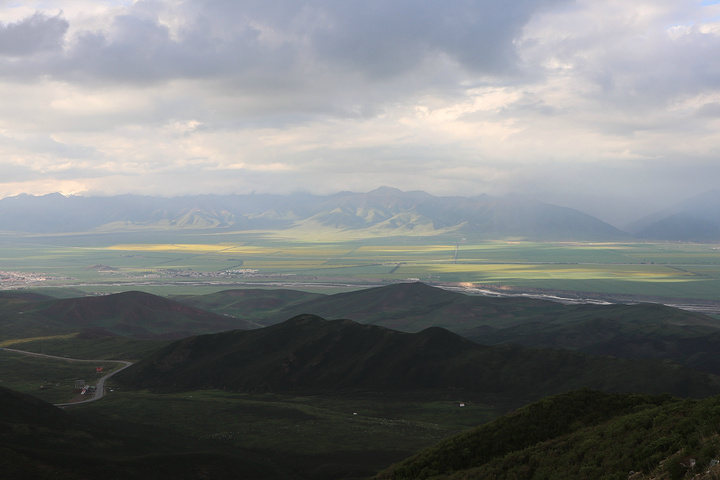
point(695, 219)
point(384, 211)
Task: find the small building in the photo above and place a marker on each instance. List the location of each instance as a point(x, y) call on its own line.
point(79, 384)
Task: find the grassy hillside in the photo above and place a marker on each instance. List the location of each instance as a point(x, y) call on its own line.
point(583, 435)
point(308, 354)
point(317, 437)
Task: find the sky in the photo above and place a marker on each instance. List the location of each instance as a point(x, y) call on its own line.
point(612, 107)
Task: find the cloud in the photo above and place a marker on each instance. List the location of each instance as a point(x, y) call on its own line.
point(38, 33)
point(259, 44)
point(460, 96)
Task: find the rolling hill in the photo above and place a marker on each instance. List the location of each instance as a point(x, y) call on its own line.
point(381, 212)
point(635, 331)
point(129, 314)
point(255, 304)
point(413, 306)
point(308, 355)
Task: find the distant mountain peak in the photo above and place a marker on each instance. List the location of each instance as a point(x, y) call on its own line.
point(384, 190)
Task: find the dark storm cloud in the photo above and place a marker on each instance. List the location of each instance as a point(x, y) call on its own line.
point(387, 38)
point(38, 33)
point(287, 40)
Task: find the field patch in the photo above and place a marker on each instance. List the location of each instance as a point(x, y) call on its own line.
point(165, 263)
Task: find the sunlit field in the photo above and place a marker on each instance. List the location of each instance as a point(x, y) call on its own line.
point(204, 263)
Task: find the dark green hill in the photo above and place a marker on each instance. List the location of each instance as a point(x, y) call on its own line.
point(415, 306)
point(580, 435)
point(627, 331)
point(307, 354)
point(130, 314)
point(409, 307)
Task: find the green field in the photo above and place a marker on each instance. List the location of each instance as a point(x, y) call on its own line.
point(361, 433)
point(298, 424)
point(193, 263)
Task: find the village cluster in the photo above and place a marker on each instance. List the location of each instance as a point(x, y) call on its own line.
point(11, 280)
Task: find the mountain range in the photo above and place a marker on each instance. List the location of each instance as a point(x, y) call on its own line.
point(382, 212)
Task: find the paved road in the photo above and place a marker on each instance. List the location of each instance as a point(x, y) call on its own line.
point(99, 386)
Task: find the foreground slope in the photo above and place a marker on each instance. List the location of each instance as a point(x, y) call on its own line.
point(40, 441)
point(583, 435)
point(310, 355)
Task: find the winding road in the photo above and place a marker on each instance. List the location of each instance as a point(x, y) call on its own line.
point(99, 386)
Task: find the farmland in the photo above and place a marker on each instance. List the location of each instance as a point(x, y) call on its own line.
point(164, 264)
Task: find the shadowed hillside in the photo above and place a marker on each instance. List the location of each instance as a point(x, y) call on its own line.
point(581, 435)
point(131, 314)
point(415, 306)
point(636, 331)
point(40, 441)
point(308, 354)
point(252, 303)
